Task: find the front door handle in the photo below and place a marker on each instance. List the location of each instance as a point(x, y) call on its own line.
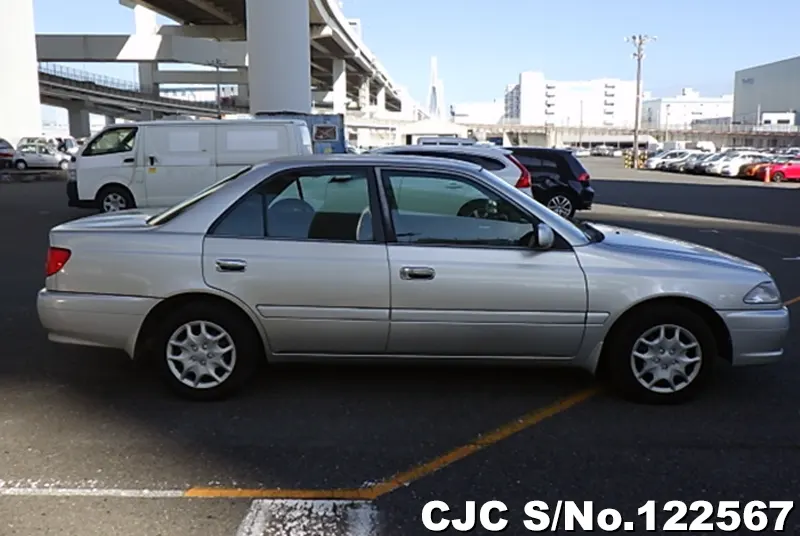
point(128, 161)
point(417, 272)
point(231, 265)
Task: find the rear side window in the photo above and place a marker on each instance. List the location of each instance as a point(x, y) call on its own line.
point(5, 146)
point(565, 165)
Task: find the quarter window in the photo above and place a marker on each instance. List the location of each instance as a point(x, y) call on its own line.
point(118, 140)
point(439, 209)
point(302, 206)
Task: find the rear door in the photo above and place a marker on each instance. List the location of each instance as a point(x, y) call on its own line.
point(179, 161)
point(303, 251)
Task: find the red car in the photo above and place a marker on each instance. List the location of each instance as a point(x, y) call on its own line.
point(781, 171)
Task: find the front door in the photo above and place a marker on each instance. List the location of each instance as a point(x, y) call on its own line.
point(465, 285)
point(178, 162)
point(300, 250)
point(109, 159)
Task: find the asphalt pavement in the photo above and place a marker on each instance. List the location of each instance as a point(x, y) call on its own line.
point(92, 445)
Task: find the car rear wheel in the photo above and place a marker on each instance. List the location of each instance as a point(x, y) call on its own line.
point(206, 352)
point(114, 199)
point(663, 354)
point(778, 177)
point(560, 202)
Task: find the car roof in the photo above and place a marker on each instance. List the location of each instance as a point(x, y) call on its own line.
point(365, 159)
point(478, 150)
point(525, 148)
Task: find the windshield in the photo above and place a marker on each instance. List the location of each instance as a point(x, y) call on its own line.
point(172, 212)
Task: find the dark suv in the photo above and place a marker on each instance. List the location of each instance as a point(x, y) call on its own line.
point(558, 179)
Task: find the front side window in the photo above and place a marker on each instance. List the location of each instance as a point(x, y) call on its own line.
point(118, 140)
point(304, 206)
point(429, 208)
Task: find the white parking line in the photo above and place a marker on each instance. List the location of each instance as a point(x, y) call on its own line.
point(279, 517)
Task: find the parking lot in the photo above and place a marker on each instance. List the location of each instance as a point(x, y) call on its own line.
point(92, 445)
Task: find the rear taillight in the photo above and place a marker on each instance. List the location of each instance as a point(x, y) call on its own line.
point(56, 259)
point(583, 177)
point(6, 155)
point(524, 180)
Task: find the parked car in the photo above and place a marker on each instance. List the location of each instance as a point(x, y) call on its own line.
point(750, 171)
point(695, 166)
point(6, 154)
point(160, 163)
point(581, 152)
point(559, 181)
point(498, 160)
point(707, 164)
point(734, 163)
point(601, 150)
point(781, 171)
point(40, 156)
point(676, 165)
point(664, 157)
point(330, 256)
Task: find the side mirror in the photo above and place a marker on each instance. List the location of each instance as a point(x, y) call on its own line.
point(542, 237)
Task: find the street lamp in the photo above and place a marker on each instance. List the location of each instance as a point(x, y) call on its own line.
point(638, 41)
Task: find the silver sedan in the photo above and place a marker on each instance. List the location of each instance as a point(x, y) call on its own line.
point(376, 256)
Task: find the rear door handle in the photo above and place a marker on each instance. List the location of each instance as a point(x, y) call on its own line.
point(417, 272)
point(231, 265)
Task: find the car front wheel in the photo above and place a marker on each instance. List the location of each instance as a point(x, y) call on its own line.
point(661, 355)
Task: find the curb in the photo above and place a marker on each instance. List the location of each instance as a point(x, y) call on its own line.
point(14, 176)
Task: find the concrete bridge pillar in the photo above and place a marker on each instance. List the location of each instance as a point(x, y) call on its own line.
point(339, 86)
point(79, 124)
point(279, 57)
point(20, 105)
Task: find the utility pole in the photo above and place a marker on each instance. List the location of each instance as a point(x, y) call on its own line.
point(217, 63)
point(580, 128)
point(638, 41)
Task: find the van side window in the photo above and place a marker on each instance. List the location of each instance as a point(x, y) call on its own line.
point(118, 140)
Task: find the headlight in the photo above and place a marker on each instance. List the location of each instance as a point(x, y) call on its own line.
point(765, 293)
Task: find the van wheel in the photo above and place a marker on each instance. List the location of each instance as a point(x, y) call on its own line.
point(114, 199)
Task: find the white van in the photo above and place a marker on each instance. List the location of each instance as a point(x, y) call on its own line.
point(160, 163)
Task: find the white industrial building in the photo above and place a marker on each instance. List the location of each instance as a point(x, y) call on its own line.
point(605, 102)
point(478, 113)
point(681, 111)
point(771, 89)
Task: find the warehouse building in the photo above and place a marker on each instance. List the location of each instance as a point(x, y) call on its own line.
point(767, 94)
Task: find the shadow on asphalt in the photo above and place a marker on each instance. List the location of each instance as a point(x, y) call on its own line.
point(765, 204)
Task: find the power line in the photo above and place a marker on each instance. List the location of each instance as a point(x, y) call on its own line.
point(638, 41)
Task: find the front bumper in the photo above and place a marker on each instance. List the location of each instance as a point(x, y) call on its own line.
point(757, 336)
point(72, 196)
point(93, 319)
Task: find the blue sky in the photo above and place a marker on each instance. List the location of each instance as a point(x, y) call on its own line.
point(482, 46)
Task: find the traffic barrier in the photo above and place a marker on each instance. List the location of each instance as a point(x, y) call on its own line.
point(627, 159)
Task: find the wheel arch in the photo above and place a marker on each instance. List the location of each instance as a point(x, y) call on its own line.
point(165, 307)
point(715, 322)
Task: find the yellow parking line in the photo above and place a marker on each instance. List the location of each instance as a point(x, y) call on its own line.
point(792, 301)
point(481, 442)
point(299, 494)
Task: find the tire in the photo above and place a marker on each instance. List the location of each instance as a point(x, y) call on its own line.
point(241, 350)
point(63, 165)
point(778, 177)
point(115, 198)
point(21, 164)
point(561, 202)
point(622, 365)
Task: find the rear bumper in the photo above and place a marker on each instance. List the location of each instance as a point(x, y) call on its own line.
point(72, 197)
point(585, 197)
point(757, 336)
point(93, 319)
